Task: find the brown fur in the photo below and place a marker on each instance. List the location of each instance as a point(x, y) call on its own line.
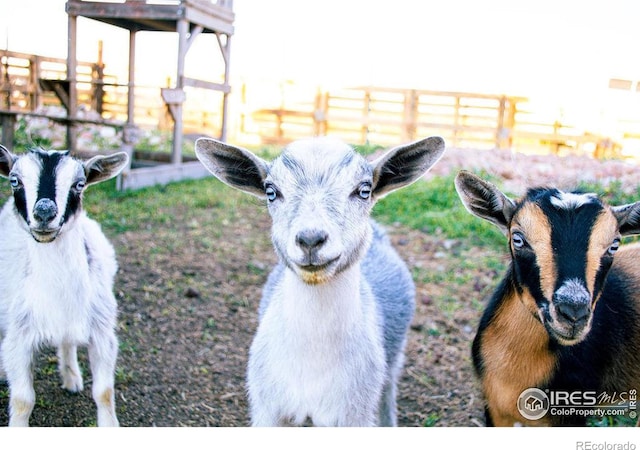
point(514, 332)
point(605, 231)
point(534, 224)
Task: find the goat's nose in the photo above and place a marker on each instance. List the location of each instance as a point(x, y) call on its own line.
point(311, 239)
point(45, 210)
point(573, 312)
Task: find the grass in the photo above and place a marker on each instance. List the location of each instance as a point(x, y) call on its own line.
point(160, 206)
point(434, 207)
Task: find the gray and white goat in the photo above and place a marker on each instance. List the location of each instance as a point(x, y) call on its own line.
point(336, 309)
point(56, 272)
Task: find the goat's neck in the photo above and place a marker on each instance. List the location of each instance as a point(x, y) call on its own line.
point(339, 299)
point(516, 344)
point(69, 244)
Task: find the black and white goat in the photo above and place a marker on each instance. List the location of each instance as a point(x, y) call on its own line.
point(566, 317)
point(56, 272)
point(335, 311)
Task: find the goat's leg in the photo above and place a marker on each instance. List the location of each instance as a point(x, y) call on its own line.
point(68, 367)
point(388, 410)
point(103, 352)
point(387, 413)
point(265, 415)
point(3, 374)
point(17, 359)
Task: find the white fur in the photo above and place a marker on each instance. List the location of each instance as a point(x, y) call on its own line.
point(570, 200)
point(335, 311)
point(332, 368)
point(58, 294)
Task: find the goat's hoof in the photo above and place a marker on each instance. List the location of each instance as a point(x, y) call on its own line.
point(108, 420)
point(72, 384)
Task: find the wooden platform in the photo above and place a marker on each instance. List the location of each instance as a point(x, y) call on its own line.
point(189, 19)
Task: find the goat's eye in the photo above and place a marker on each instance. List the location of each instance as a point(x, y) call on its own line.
point(79, 185)
point(271, 193)
point(613, 248)
point(518, 240)
point(14, 181)
point(364, 191)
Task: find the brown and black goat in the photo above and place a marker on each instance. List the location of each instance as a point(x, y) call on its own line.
point(565, 318)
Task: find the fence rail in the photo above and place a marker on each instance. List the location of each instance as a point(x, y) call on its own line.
point(387, 116)
point(30, 83)
point(381, 116)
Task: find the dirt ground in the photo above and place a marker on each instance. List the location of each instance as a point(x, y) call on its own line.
point(188, 313)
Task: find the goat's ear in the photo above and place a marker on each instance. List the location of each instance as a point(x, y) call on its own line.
point(403, 165)
point(628, 218)
point(104, 167)
point(484, 200)
point(6, 161)
point(235, 166)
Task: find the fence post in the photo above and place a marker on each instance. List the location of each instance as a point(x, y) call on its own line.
point(366, 108)
point(410, 115)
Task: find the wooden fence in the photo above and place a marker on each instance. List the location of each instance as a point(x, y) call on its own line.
point(30, 83)
point(389, 116)
point(380, 116)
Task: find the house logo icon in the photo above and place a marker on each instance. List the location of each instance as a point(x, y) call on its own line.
point(533, 404)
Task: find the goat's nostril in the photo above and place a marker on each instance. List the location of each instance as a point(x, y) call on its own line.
point(573, 312)
point(310, 239)
point(45, 210)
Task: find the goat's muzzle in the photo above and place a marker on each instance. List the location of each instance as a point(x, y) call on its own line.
point(44, 212)
point(570, 313)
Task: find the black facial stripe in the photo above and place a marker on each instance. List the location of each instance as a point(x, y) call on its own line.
point(20, 201)
point(571, 231)
point(74, 204)
point(601, 275)
point(525, 270)
point(47, 182)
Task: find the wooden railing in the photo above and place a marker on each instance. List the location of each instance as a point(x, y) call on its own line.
point(380, 116)
point(388, 116)
point(30, 83)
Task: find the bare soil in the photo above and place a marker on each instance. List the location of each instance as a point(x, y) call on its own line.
point(188, 298)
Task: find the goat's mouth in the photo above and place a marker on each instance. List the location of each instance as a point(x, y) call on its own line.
point(567, 333)
point(44, 235)
point(316, 272)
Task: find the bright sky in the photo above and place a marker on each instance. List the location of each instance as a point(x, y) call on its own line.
point(563, 51)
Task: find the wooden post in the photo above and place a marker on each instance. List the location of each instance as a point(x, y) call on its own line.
point(128, 132)
point(8, 127)
point(98, 79)
point(72, 110)
point(132, 79)
point(176, 153)
point(6, 83)
point(500, 128)
point(410, 115)
point(34, 89)
point(456, 120)
point(226, 55)
point(365, 116)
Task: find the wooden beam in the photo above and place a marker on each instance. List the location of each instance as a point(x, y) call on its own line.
point(162, 174)
point(193, 35)
point(176, 151)
point(72, 107)
point(202, 84)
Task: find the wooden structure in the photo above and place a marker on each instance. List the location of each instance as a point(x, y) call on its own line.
point(189, 19)
point(31, 83)
point(387, 116)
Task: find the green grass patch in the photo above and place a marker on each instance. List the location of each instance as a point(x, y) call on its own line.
point(434, 207)
point(157, 206)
